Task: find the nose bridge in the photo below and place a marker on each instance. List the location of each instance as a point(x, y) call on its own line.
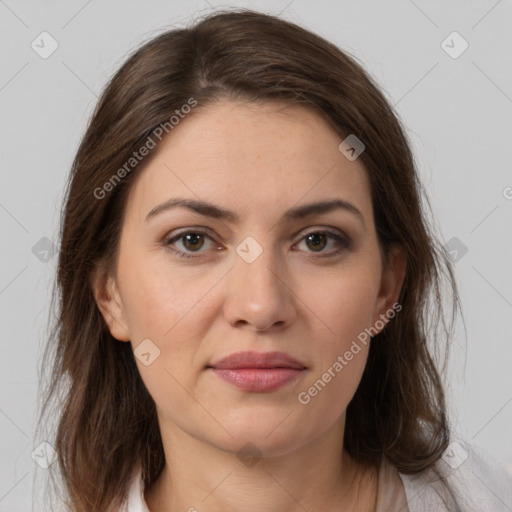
point(257, 293)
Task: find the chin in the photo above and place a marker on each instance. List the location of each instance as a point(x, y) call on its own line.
point(260, 445)
point(271, 434)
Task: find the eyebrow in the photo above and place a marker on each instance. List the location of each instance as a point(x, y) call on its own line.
point(216, 212)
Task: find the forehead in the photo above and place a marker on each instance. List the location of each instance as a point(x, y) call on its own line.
point(252, 157)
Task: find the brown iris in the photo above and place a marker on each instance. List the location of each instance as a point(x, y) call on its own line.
point(193, 241)
point(318, 239)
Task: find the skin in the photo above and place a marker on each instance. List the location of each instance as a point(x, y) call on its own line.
point(257, 160)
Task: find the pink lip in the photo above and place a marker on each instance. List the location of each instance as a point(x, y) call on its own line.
point(257, 360)
point(258, 379)
point(258, 371)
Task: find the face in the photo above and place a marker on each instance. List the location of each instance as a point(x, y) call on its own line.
point(269, 276)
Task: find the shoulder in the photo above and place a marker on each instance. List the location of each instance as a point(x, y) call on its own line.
point(465, 479)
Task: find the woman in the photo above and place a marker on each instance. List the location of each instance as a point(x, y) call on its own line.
point(248, 289)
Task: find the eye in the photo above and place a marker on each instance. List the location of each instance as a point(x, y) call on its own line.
point(318, 240)
point(191, 241)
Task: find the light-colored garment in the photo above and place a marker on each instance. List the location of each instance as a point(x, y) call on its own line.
point(476, 483)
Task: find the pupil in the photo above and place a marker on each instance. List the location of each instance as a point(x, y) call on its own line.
point(316, 237)
point(194, 237)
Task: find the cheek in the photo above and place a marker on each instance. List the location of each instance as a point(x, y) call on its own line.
point(345, 302)
point(159, 298)
point(345, 305)
point(169, 308)
point(173, 310)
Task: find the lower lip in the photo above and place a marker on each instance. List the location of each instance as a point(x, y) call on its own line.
point(258, 379)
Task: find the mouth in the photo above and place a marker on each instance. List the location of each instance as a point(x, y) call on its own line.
point(256, 371)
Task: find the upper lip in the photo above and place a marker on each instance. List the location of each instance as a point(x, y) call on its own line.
point(257, 360)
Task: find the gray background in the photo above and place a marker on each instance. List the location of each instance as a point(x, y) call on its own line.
point(458, 112)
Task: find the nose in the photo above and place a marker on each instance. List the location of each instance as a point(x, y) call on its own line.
point(258, 296)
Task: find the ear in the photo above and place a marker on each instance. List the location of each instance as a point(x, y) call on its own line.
point(107, 296)
point(391, 283)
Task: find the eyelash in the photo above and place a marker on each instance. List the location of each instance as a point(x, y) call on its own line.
point(342, 241)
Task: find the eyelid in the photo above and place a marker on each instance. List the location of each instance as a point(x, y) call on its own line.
point(189, 229)
point(323, 229)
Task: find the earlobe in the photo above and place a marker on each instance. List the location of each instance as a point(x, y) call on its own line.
point(108, 299)
point(391, 283)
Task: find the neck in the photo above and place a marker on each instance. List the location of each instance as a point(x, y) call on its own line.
point(317, 476)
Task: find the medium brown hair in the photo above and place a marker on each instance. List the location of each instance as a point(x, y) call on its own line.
point(107, 421)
